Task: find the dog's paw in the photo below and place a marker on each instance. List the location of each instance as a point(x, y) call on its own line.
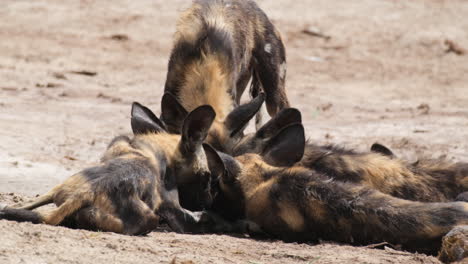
point(454, 245)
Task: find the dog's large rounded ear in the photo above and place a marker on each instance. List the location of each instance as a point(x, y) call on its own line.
point(238, 119)
point(215, 163)
point(381, 149)
point(196, 127)
point(221, 165)
point(144, 121)
point(172, 113)
point(285, 117)
point(286, 147)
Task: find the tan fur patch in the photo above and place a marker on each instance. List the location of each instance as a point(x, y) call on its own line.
point(379, 171)
point(297, 170)
point(103, 202)
point(465, 207)
point(278, 34)
point(291, 215)
point(257, 201)
point(166, 142)
point(169, 143)
point(107, 222)
point(118, 148)
point(207, 83)
point(216, 16)
point(251, 176)
point(432, 231)
point(463, 181)
point(189, 25)
point(318, 211)
point(259, 26)
point(70, 206)
point(259, 188)
point(77, 183)
point(41, 200)
point(217, 133)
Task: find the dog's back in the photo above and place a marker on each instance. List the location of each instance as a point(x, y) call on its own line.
point(212, 58)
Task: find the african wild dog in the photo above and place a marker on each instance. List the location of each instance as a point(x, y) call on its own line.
point(430, 181)
point(219, 45)
point(454, 174)
point(298, 204)
point(427, 180)
point(136, 183)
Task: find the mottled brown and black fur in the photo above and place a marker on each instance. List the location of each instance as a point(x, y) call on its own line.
point(299, 204)
point(219, 45)
point(136, 183)
point(427, 180)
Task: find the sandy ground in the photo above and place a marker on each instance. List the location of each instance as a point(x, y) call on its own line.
point(384, 73)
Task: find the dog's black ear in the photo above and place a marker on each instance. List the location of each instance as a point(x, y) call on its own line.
point(285, 117)
point(172, 113)
point(222, 166)
point(286, 147)
point(381, 149)
point(215, 163)
point(144, 121)
point(196, 127)
point(238, 119)
point(259, 140)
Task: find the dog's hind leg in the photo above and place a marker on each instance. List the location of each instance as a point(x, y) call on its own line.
point(53, 217)
point(270, 71)
point(93, 218)
point(70, 206)
point(40, 201)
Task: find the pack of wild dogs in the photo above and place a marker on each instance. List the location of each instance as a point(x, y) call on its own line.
point(195, 169)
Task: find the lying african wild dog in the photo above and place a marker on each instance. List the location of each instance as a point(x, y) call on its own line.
point(219, 45)
point(431, 181)
point(426, 180)
point(298, 204)
point(136, 183)
point(454, 174)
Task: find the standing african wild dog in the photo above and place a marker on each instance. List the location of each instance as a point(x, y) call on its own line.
point(298, 204)
point(136, 183)
point(219, 45)
point(426, 180)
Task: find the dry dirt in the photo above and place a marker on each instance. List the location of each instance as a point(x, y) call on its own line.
point(69, 71)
